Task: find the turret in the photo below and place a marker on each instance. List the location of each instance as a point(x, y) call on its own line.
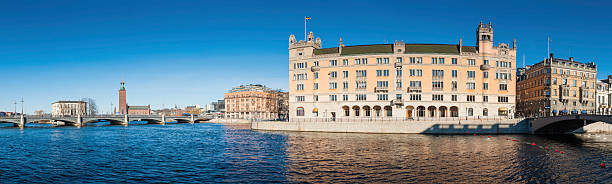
point(399, 47)
point(485, 38)
point(303, 48)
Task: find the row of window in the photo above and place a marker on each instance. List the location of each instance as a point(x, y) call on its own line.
point(413, 97)
point(539, 72)
point(412, 60)
point(436, 85)
point(398, 73)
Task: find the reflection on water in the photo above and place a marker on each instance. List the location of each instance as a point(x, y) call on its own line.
point(204, 153)
point(325, 157)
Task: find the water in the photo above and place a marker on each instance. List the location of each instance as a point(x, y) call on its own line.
point(204, 153)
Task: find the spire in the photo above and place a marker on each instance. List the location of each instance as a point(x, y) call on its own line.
point(340, 46)
point(514, 44)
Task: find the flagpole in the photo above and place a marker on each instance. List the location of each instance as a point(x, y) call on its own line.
point(548, 47)
point(305, 28)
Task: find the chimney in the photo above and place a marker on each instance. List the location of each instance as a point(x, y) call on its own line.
point(571, 58)
point(609, 76)
point(551, 55)
point(460, 45)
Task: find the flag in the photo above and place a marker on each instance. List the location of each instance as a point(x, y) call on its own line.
point(307, 18)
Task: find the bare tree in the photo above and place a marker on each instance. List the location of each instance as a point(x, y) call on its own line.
point(92, 108)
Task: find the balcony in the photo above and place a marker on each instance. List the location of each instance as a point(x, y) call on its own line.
point(315, 68)
point(397, 102)
point(485, 67)
point(380, 89)
point(415, 89)
point(398, 65)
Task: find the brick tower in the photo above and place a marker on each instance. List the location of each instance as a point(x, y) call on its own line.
point(122, 103)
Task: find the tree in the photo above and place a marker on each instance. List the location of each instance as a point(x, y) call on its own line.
point(92, 108)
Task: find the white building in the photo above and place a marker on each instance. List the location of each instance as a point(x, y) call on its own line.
point(604, 94)
point(69, 108)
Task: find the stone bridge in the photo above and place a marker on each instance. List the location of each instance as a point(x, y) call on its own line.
point(20, 121)
point(564, 124)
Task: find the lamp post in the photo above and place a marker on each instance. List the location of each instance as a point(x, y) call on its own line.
point(21, 105)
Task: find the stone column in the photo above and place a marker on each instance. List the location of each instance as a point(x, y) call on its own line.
point(163, 119)
point(79, 121)
point(192, 119)
point(126, 121)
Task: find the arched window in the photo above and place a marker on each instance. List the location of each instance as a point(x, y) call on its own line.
point(366, 111)
point(388, 111)
point(454, 111)
point(300, 111)
point(485, 112)
point(421, 111)
point(315, 112)
point(356, 110)
point(377, 111)
point(346, 110)
point(432, 111)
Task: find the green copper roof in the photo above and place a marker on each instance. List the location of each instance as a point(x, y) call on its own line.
point(122, 88)
point(139, 107)
point(388, 48)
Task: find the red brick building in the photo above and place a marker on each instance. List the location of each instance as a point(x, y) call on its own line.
point(124, 108)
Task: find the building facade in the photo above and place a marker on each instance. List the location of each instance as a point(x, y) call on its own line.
point(283, 105)
point(402, 80)
point(251, 102)
point(604, 94)
point(124, 108)
point(69, 108)
point(557, 86)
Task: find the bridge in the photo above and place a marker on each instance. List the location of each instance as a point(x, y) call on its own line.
point(20, 121)
point(564, 124)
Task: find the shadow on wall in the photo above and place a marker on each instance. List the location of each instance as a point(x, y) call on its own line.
point(521, 127)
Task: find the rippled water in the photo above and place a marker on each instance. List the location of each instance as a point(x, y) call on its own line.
point(185, 153)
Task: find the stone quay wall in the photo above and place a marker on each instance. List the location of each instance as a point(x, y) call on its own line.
point(502, 126)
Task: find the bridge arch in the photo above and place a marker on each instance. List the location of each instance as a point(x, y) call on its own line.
point(565, 124)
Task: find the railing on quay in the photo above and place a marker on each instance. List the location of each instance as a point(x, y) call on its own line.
point(395, 119)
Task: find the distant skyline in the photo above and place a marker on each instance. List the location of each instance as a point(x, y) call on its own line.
point(191, 52)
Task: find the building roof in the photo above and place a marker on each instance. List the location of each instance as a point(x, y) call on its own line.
point(138, 107)
point(388, 48)
point(69, 101)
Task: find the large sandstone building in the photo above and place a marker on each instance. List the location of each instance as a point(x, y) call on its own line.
point(68, 108)
point(402, 80)
point(254, 101)
point(557, 86)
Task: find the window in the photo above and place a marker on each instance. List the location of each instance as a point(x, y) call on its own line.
point(416, 60)
point(471, 74)
point(333, 62)
point(333, 75)
point(415, 97)
point(437, 73)
point(385, 60)
point(345, 62)
point(345, 85)
point(316, 63)
point(316, 86)
point(300, 98)
point(471, 98)
point(485, 75)
point(485, 86)
point(434, 60)
point(503, 87)
point(361, 73)
point(486, 62)
point(360, 97)
point(437, 85)
point(333, 98)
point(470, 112)
point(415, 72)
point(315, 98)
point(437, 97)
point(398, 59)
point(454, 61)
point(344, 97)
point(333, 85)
point(485, 112)
point(454, 85)
point(415, 84)
point(300, 87)
point(471, 62)
point(502, 99)
point(361, 84)
point(382, 83)
point(554, 81)
point(441, 60)
point(382, 73)
point(454, 98)
point(454, 73)
point(398, 96)
point(485, 98)
point(300, 111)
point(574, 83)
point(398, 73)
point(398, 84)
point(471, 85)
point(382, 97)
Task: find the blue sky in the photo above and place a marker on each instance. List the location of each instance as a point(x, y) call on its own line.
point(191, 52)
